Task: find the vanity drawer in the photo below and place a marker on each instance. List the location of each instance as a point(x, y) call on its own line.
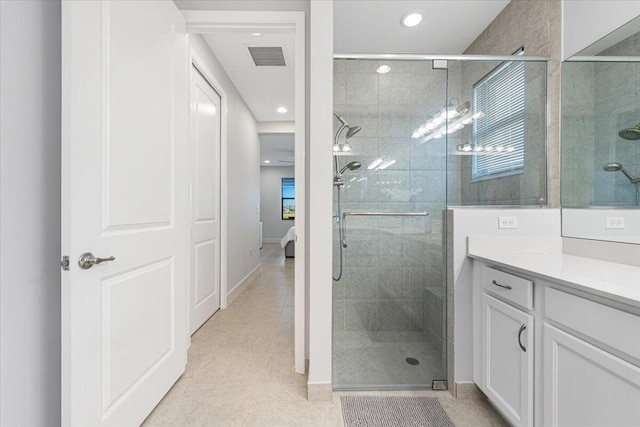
point(508, 286)
point(608, 325)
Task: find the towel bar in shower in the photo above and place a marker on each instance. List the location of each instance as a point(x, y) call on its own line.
point(346, 214)
point(385, 214)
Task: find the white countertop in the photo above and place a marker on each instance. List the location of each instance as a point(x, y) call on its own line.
point(619, 282)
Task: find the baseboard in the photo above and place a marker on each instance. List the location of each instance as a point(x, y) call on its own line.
point(319, 391)
point(237, 289)
point(271, 239)
point(467, 391)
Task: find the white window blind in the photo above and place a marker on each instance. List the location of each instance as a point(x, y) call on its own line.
point(500, 132)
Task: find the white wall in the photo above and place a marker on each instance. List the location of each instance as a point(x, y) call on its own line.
point(274, 227)
point(320, 205)
point(586, 21)
point(482, 222)
point(243, 174)
point(30, 213)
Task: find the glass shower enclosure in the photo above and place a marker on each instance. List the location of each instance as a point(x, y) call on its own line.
point(408, 143)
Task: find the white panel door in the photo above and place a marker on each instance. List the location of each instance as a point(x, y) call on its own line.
point(586, 386)
point(124, 194)
point(507, 360)
point(204, 166)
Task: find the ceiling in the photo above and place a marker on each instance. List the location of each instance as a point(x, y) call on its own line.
point(360, 26)
point(278, 148)
point(264, 89)
point(447, 27)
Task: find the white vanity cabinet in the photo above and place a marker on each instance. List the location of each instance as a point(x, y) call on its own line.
point(507, 359)
point(587, 381)
point(581, 366)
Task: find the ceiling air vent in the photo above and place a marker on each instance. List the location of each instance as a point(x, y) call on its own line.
point(267, 56)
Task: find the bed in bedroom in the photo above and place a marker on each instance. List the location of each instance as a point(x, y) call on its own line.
point(288, 243)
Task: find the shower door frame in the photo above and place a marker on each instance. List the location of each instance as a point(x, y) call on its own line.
point(449, 356)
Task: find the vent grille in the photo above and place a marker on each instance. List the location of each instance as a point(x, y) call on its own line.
point(267, 56)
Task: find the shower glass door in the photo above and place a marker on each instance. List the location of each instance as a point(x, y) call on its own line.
point(412, 140)
point(389, 300)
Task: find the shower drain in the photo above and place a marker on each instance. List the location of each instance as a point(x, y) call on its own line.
point(412, 361)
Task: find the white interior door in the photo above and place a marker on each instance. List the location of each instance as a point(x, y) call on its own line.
point(124, 194)
point(205, 116)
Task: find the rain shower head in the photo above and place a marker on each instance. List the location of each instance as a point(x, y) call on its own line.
point(353, 130)
point(351, 166)
point(631, 134)
point(617, 167)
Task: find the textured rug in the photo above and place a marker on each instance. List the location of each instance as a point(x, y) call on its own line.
point(383, 411)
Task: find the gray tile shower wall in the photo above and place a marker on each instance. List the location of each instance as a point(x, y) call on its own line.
point(536, 25)
point(526, 187)
point(393, 266)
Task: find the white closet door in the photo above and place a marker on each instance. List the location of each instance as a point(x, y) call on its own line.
point(205, 200)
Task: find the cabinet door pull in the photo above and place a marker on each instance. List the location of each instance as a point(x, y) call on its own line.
point(502, 286)
point(522, 328)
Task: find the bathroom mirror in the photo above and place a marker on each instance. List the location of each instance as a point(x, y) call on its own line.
point(601, 139)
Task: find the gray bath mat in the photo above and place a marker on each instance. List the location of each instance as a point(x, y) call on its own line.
point(383, 411)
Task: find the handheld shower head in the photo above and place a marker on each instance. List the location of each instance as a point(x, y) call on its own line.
point(617, 167)
point(351, 166)
point(632, 134)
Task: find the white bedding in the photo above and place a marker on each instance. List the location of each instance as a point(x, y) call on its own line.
point(290, 236)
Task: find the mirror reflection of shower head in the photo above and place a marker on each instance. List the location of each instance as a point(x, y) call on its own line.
point(351, 166)
point(631, 134)
point(617, 167)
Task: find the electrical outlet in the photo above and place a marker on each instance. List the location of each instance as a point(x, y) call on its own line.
point(508, 222)
point(614, 222)
point(250, 252)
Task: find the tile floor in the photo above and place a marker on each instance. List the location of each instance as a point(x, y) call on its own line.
point(240, 368)
point(379, 358)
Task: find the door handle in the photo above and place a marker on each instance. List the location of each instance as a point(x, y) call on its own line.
point(522, 328)
point(87, 260)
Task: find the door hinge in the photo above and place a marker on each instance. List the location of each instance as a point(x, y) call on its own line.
point(64, 264)
point(440, 385)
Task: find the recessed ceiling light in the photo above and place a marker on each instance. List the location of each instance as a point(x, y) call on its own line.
point(281, 110)
point(383, 69)
point(267, 161)
point(411, 19)
point(256, 34)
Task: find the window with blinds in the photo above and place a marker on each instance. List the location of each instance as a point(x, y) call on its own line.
point(500, 132)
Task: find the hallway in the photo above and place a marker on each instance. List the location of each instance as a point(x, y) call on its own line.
point(240, 369)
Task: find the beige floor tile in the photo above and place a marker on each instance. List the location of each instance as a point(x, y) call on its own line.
point(283, 414)
point(464, 413)
point(240, 369)
point(490, 413)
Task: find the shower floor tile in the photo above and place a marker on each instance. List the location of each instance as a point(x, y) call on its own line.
point(378, 359)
